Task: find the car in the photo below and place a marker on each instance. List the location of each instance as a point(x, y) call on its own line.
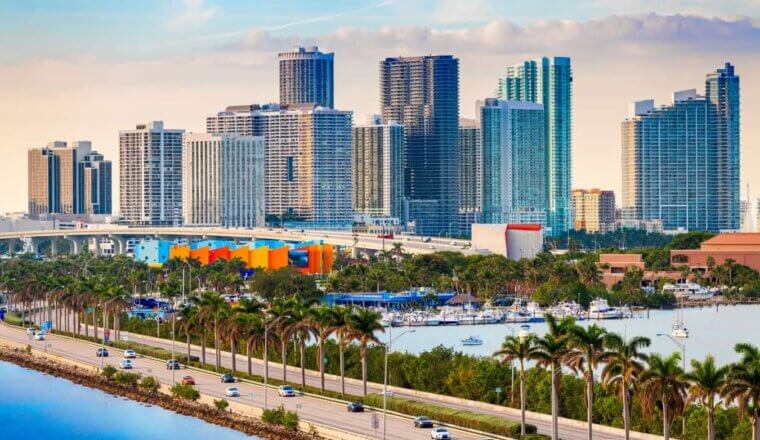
point(30, 331)
point(232, 392)
point(125, 364)
point(129, 354)
point(426, 239)
point(423, 422)
point(388, 393)
point(388, 236)
point(286, 391)
point(101, 352)
point(187, 380)
point(440, 433)
point(39, 336)
point(173, 365)
point(227, 378)
point(355, 407)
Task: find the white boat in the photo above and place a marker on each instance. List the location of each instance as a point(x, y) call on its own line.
point(688, 290)
point(524, 332)
point(600, 309)
point(679, 330)
point(534, 309)
point(472, 340)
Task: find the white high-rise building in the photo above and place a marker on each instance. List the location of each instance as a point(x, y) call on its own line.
point(150, 181)
point(223, 180)
point(307, 159)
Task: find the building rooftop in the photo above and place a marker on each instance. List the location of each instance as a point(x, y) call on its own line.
point(734, 238)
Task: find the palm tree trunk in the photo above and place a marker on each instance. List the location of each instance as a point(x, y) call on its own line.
point(187, 336)
point(342, 367)
point(590, 404)
point(364, 367)
point(710, 422)
point(302, 347)
point(233, 351)
point(248, 355)
point(626, 413)
point(203, 347)
point(284, 354)
point(756, 425)
point(522, 399)
point(321, 361)
point(216, 344)
point(665, 422)
point(555, 406)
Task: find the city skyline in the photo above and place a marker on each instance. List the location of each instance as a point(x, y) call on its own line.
point(182, 98)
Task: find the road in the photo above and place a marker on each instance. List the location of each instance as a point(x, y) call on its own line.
point(311, 409)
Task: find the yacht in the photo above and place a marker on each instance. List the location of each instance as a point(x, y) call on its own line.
point(688, 290)
point(472, 340)
point(679, 330)
point(535, 310)
point(524, 332)
point(600, 309)
point(433, 320)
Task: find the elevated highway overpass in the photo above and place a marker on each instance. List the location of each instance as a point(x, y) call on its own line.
point(120, 235)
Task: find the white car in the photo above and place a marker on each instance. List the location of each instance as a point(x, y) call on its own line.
point(126, 364)
point(39, 336)
point(286, 391)
point(30, 331)
point(129, 354)
point(232, 392)
point(440, 434)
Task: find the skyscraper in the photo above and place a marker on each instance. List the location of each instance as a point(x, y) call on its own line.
point(514, 161)
point(223, 180)
point(422, 94)
point(722, 90)
point(378, 168)
point(470, 160)
point(307, 159)
point(150, 183)
point(44, 182)
point(548, 81)
point(306, 76)
point(96, 173)
point(593, 210)
point(60, 180)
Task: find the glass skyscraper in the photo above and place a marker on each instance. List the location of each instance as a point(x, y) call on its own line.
point(422, 94)
point(681, 161)
point(306, 77)
point(548, 81)
point(514, 161)
point(470, 175)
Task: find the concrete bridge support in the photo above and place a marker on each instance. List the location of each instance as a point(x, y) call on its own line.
point(119, 243)
point(77, 244)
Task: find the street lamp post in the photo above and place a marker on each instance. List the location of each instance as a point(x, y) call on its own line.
point(385, 369)
point(682, 346)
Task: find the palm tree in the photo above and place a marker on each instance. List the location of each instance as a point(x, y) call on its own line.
point(743, 385)
point(322, 323)
point(213, 310)
point(301, 328)
point(550, 352)
point(362, 325)
point(339, 320)
point(663, 384)
point(280, 313)
point(586, 351)
point(624, 363)
point(188, 323)
point(520, 349)
point(706, 380)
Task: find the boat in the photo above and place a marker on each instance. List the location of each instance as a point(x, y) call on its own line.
point(433, 320)
point(679, 330)
point(472, 340)
point(689, 291)
point(600, 309)
point(524, 332)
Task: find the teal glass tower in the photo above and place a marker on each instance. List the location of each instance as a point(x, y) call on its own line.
point(548, 81)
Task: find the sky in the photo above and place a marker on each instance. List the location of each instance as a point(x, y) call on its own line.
point(83, 70)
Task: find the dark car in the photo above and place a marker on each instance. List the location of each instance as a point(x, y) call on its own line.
point(227, 378)
point(173, 365)
point(423, 422)
point(355, 407)
point(101, 352)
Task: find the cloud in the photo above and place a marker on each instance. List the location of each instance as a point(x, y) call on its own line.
point(195, 13)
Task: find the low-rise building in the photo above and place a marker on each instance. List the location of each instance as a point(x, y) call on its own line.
point(741, 247)
point(513, 241)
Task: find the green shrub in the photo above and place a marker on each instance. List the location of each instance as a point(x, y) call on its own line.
point(534, 437)
point(278, 416)
point(150, 384)
point(108, 371)
point(221, 404)
point(482, 422)
point(187, 392)
point(126, 378)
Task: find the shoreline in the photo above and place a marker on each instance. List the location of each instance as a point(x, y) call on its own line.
point(81, 376)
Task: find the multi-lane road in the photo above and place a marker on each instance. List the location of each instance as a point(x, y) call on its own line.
point(313, 409)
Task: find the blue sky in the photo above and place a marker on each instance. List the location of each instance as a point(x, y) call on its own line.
point(76, 70)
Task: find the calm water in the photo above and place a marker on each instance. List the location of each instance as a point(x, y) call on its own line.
point(36, 406)
point(711, 332)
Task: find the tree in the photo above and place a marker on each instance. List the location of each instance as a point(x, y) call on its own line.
point(550, 352)
point(743, 385)
point(624, 363)
point(586, 351)
point(339, 320)
point(214, 310)
point(706, 380)
point(362, 325)
point(322, 323)
point(520, 349)
point(663, 384)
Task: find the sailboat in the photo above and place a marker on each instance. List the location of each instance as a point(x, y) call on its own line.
point(679, 328)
